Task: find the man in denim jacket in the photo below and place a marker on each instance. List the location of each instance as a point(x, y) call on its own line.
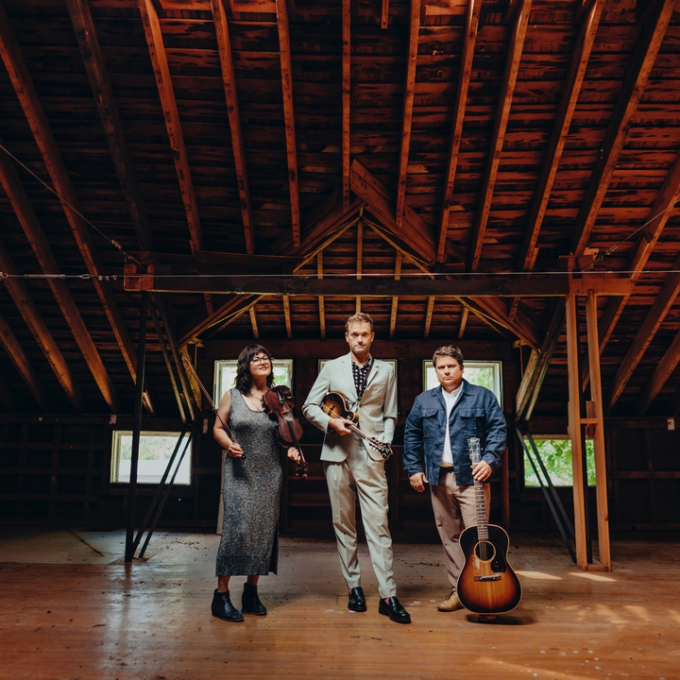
point(441, 421)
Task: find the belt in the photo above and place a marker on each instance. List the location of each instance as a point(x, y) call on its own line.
point(445, 469)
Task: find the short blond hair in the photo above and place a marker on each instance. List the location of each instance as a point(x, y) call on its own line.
point(360, 317)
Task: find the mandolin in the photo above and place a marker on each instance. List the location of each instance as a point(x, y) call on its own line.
point(487, 584)
point(335, 405)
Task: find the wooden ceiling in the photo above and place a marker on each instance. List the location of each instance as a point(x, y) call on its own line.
point(357, 138)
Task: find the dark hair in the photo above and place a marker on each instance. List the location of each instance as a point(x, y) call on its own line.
point(448, 351)
point(244, 379)
point(359, 317)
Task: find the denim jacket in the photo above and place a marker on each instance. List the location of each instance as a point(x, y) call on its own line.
point(475, 414)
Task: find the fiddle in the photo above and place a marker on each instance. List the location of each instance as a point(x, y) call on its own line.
point(280, 402)
point(335, 405)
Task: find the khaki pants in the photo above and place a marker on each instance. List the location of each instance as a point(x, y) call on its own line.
point(359, 475)
point(454, 510)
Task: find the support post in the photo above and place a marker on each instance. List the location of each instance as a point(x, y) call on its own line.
point(137, 428)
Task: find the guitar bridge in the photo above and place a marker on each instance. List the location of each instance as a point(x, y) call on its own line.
point(490, 577)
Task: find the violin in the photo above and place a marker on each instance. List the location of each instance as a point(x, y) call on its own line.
point(280, 402)
point(335, 405)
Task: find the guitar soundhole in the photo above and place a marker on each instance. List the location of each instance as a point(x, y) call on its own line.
point(485, 551)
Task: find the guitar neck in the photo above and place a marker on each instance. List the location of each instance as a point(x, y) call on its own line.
point(480, 512)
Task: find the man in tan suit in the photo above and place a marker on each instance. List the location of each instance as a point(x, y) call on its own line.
point(353, 466)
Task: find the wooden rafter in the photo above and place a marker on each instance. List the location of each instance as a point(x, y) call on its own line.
point(23, 364)
point(229, 79)
point(227, 314)
point(166, 93)
point(395, 299)
point(407, 116)
point(464, 77)
point(428, 316)
point(565, 113)
point(385, 14)
point(100, 83)
point(498, 136)
point(288, 116)
point(662, 305)
point(322, 310)
point(346, 101)
point(642, 62)
point(463, 322)
point(35, 235)
point(360, 255)
point(41, 334)
point(35, 115)
point(253, 322)
point(287, 317)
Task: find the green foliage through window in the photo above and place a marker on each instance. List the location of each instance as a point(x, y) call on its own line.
point(556, 455)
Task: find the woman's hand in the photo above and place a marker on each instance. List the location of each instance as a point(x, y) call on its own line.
point(294, 454)
point(234, 450)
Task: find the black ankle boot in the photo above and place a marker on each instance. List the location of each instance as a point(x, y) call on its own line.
point(223, 609)
point(251, 602)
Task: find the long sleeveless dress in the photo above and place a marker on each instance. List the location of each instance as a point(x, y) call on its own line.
point(252, 489)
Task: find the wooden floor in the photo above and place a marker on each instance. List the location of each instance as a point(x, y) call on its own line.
point(70, 609)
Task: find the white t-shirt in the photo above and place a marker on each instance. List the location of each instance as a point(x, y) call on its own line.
point(450, 400)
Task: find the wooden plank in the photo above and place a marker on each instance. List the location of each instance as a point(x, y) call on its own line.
point(637, 75)
point(428, 316)
point(407, 115)
point(15, 352)
point(36, 237)
point(230, 94)
point(662, 373)
point(173, 125)
point(464, 77)
point(100, 83)
point(385, 14)
point(360, 253)
point(574, 408)
point(498, 135)
point(565, 113)
point(286, 314)
point(35, 116)
point(661, 307)
point(322, 311)
point(288, 116)
point(598, 436)
point(346, 102)
point(395, 300)
point(463, 322)
point(253, 323)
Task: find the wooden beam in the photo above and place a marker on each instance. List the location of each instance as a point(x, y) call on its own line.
point(642, 62)
point(36, 237)
point(322, 311)
point(360, 251)
point(598, 434)
point(229, 80)
point(662, 305)
point(253, 323)
point(41, 334)
point(574, 407)
point(288, 116)
point(166, 93)
point(407, 116)
point(385, 14)
point(238, 306)
point(428, 316)
point(15, 352)
point(662, 373)
point(100, 83)
point(286, 314)
point(498, 135)
point(346, 101)
point(464, 77)
point(35, 116)
point(463, 322)
point(395, 299)
point(565, 113)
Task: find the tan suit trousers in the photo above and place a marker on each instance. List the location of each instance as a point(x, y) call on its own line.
point(454, 510)
point(361, 476)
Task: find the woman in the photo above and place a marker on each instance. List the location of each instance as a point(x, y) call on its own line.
point(252, 485)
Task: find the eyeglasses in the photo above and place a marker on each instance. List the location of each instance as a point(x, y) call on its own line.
point(260, 359)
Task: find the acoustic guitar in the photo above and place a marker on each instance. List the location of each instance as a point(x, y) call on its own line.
point(487, 584)
point(335, 405)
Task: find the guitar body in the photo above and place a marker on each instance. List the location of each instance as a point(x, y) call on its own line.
point(487, 584)
point(335, 405)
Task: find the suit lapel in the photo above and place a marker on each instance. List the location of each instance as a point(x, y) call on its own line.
point(351, 390)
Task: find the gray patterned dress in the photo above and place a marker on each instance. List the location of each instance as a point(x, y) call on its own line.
point(252, 489)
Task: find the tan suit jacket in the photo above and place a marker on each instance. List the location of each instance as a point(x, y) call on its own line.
point(377, 409)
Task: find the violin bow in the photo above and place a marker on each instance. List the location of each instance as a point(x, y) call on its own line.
point(206, 394)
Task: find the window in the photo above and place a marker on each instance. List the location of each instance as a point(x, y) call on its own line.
point(155, 450)
point(225, 376)
point(485, 373)
point(556, 455)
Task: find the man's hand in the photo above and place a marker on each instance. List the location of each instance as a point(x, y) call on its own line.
point(340, 425)
point(418, 481)
point(481, 471)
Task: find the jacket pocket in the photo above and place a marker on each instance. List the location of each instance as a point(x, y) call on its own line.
point(469, 418)
point(430, 426)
